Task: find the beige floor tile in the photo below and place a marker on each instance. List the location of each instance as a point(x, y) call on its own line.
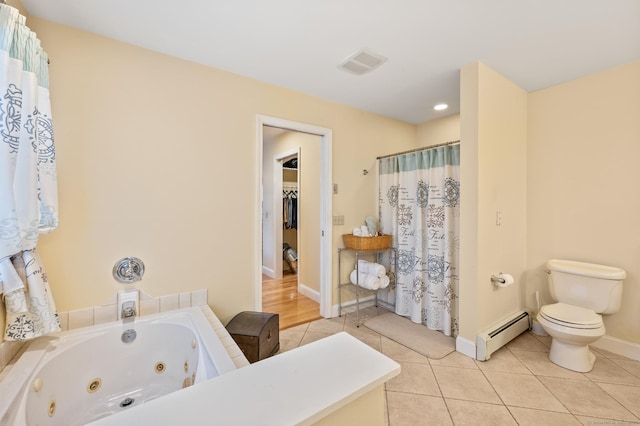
point(366, 336)
point(586, 399)
point(630, 365)
point(455, 359)
point(595, 421)
point(538, 363)
point(545, 340)
point(591, 421)
point(416, 410)
point(465, 383)
point(607, 371)
point(290, 339)
point(522, 390)
point(530, 417)
point(478, 413)
point(415, 378)
point(475, 391)
point(528, 342)
point(327, 325)
point(399, 353)
point(311, 336)
point(503, 360)
point(628, 396)
point(606, 353)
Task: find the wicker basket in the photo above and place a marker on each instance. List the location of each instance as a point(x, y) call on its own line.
point(353, 242)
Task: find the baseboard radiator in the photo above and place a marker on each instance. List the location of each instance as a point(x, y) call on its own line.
point(501, 334)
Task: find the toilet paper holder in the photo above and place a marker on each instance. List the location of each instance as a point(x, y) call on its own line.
point(497, 279)
point(502, 280)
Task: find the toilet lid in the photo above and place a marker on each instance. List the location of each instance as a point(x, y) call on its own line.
point(571, 316)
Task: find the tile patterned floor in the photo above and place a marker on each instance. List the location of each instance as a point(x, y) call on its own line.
point(517, 386)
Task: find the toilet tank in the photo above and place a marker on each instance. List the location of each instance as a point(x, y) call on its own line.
point(588, 285)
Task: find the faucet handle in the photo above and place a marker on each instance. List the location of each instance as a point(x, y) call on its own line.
point(128, 270)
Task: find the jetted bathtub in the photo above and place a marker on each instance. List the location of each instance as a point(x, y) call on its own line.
point(78, 376)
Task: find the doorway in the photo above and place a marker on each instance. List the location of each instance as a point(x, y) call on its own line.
point(318, 265)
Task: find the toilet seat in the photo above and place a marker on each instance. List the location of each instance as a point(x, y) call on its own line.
point(571, 316)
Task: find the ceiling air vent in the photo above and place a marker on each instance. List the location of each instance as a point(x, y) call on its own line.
point(362, 62)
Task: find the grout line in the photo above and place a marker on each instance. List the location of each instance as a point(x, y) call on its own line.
point(614, 398)
point(496, 391)
point(446, 405)
point(509, 407)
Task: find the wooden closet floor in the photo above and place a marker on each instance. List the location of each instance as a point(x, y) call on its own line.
point(281, 297)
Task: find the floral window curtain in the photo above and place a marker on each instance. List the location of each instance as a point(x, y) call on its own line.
point(419, 202)
point(28, 188)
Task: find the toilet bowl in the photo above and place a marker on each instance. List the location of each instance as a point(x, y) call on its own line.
point(572, 330)
point(583, 292)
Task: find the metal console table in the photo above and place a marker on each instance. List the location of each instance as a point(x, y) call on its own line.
point(358, 254)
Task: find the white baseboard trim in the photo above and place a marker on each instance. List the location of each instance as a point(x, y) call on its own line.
point(309, 292)
point(466, 347)
point(268, 272)
point(618, 346)
point(365, 302)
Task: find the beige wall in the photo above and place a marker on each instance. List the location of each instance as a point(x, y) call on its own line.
point(583, 173)
point(146, 144)
point(18, 5)
point(493, 123)
point(445, 129)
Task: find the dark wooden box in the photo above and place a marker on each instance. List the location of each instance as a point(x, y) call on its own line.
point(256, 333)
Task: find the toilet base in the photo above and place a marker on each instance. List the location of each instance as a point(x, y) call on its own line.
point(572, 357)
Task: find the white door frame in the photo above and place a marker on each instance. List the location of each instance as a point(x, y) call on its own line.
point(326, 237)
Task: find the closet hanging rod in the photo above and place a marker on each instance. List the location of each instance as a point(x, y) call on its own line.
point(418, 149)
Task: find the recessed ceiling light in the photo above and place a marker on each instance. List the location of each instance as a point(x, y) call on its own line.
point(441, 107)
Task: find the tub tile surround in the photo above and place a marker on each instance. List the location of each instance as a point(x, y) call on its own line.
point(230, 345)
point(148, 305)
point(517, 386)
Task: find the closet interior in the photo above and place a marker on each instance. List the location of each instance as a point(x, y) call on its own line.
point(290, 216)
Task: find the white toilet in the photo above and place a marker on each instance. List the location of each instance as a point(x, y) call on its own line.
point(583, 291)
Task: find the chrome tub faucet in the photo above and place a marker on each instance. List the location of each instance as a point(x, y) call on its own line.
point(128, 310)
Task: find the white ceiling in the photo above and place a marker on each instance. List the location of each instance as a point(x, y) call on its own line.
point(298, 44)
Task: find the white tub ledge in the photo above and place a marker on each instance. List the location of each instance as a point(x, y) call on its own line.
point(337, 380)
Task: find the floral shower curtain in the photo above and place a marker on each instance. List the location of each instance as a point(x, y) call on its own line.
point(28, 189)
point(419, 203)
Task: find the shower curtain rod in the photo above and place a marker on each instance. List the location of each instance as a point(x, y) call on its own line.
point(418, 149)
